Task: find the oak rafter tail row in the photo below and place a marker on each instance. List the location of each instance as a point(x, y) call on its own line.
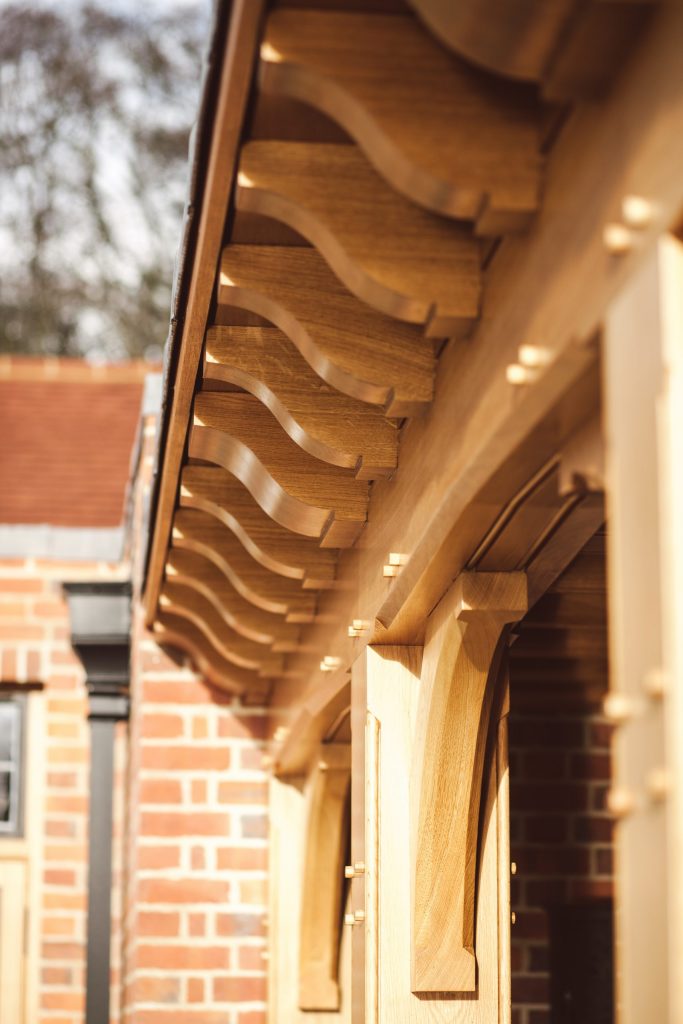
point(174, 631)
point(572, 49)
point(303, 494)
point(355, 349)
point(476, 150)
point(193, 606)
point(191, 569)
point(328, 425)
point(212, 490)
point(333, 197)
point(197, 531)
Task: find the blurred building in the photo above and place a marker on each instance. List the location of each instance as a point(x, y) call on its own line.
point(380, 692)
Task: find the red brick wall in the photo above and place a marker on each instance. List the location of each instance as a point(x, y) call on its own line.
point(197, 853)
point(34, 639)
point(196, 860)
point(561, 837)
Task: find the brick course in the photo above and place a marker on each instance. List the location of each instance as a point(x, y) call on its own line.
point(561, 837)
point(197, 846)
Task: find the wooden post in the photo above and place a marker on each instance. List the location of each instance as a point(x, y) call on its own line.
point(642, 334)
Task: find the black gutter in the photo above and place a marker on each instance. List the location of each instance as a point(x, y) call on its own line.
point(200, 142)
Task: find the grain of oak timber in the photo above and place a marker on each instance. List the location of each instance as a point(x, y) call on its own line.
point(446, 135)
point(323, 422)
point(199, 532)
point(211, 489)
point(234, 85)
point(195, 570)
point(300, 492)
point(354, 348)
point(398, 258)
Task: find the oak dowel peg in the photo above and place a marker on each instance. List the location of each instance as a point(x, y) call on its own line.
point(394, 564)
point(518, 374)
point(359, 916)
point(513, 917)
point(358, 627)
point(619, 708)
point(359, 867)
point(349, 871)
point(637, 212)
point(323, 766)
point(656, 683)
point(330, 663)
point(281, 734)
point(658, 785)
point(621, 802)
point(535, 357)
point(617, 239)
point(513, 868)
point(349, 919)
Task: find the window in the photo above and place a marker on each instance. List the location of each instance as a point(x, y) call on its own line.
point(11, 744)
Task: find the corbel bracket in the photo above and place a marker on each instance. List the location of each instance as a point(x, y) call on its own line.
point(323, 883)
point(456, 695)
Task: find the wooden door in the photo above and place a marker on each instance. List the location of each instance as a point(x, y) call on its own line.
point(12, 940)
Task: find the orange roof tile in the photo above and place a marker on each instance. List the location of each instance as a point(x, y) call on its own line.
point(66, 435)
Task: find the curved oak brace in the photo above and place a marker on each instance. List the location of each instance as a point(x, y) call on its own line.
point(333, 197)
point(188, 604)
point(194, 570)
point(454, 709)
point(572, 47)
point(475, 148)
point(210, 489)
point(174, 631)
point(355, 349)
point(199, 532)
point(301, 493)
point(323, 882)
point(510, 37)
point(326, 424)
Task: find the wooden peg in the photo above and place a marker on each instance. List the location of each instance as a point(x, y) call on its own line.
point(621, 802)
point(637, 212)
point(656, 683)
point(617, 239)
point(394, 564)
point(619, 708)
point(658, 785)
